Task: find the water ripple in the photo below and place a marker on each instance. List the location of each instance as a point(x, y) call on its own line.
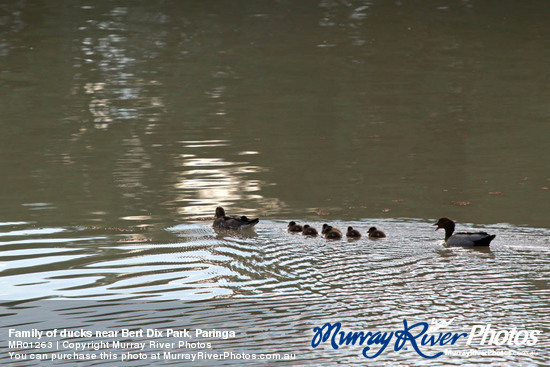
point(403, 275)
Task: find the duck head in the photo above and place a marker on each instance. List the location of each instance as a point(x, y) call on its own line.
point(372, 229)
point(220, 212)
point(293, 223)
point(445, 223)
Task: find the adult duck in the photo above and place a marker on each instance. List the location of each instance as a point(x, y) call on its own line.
point(462, 238)
point(232, 222)
point(376, 233)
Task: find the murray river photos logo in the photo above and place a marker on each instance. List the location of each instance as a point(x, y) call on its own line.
point(418, 336)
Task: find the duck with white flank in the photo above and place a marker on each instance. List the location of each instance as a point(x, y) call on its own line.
point(463, 238)
point(233, 222)
point(376, 233)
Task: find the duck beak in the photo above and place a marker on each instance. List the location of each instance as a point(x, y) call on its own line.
point(437, 227)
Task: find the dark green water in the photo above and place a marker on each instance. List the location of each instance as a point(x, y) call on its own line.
point(124, 124)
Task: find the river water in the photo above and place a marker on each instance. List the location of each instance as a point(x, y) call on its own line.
point(124, 125)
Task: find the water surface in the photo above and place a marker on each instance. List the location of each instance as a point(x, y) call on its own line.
point(123, 126)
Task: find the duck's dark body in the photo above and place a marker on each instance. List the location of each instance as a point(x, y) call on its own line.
point(332, 233)
point(233, 222)
point(309, 231)
point(463, 238)
point(353, 233)
point(293, 227)
point(376, 233)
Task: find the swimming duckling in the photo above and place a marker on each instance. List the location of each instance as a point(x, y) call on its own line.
point(309, 231)
point(353, 233)
point(332, 233)
point(293, 227)
point(376, 233)
point(464, 238)
point(233, 222)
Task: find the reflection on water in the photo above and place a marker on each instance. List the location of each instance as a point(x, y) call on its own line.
point(356, 109)
point(205, 183)
point(121, 91)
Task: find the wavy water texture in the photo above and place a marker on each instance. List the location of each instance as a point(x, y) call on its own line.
point(282, 280)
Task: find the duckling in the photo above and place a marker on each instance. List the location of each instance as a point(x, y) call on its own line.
point(353, 233)
point(376, 233)
point(309, 231)
point(293, 227)
point(233, 222)
point(464, 238)
point(332, 233)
